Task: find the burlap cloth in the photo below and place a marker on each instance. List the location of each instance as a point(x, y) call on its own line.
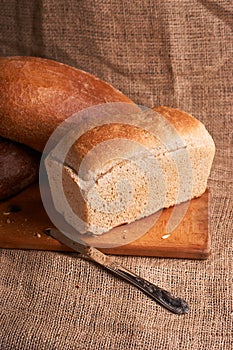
point(174, 53)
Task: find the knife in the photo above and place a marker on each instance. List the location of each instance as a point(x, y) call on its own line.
point(166, 299)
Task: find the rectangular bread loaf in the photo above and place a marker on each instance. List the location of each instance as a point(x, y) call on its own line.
point(120, 172)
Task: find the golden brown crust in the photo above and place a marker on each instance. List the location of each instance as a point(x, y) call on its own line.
point(38, 94)
point(98, 135)
point(182, 121)
point(189, 129)
point(166, 129)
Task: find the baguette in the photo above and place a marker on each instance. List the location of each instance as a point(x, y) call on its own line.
point(38, 94)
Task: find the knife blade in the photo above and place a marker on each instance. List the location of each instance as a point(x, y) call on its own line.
point(164, 298)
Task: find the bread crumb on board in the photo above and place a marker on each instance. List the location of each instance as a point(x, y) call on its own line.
point(38, 235)
point(165, 236)
point(13, 208)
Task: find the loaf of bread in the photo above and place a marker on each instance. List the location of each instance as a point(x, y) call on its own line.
point(120, 172)
point(19, 167)
point(38, 94)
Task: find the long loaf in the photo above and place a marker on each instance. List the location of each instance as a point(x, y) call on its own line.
point(37, 94)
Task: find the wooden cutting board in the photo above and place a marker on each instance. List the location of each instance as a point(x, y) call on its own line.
point(23, 221)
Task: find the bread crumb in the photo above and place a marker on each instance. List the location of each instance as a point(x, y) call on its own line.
point(165, 236)
point(8, 221)
point(37, 235)
point(6, 213)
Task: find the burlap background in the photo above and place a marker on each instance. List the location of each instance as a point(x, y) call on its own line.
point(176, 53)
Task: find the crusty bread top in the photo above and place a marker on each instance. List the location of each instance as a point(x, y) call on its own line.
point(38, 94)
point(162, 130)
point(184, 123)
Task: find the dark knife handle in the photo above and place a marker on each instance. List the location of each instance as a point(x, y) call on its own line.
point(164, 298)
